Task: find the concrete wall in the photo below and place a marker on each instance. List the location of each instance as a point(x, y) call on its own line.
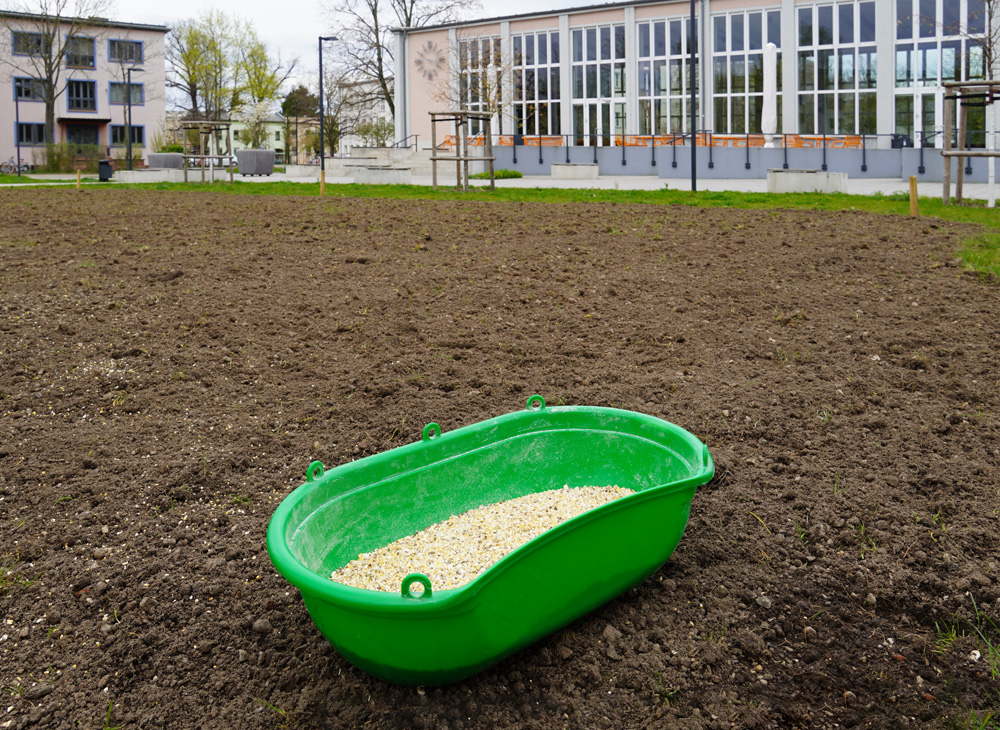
point(732, 163)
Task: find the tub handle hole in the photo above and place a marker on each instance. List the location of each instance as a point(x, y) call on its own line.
point(315, 471)
point(420, 578)
point(431, 431)
point(536, 403)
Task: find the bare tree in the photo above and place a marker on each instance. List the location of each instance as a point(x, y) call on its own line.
point(364, 28)
point(44, 35)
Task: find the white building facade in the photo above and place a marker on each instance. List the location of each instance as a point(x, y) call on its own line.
point(106, 70)
point(850, 67)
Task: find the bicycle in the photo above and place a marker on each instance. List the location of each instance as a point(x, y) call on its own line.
point(9, 168)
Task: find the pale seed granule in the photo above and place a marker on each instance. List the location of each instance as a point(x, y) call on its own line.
point(453, 552)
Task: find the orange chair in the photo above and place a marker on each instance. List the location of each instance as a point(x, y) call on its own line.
point(505, 140)
point(543, 141)
point(850, 142)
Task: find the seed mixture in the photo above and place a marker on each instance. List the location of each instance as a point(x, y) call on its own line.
point(453, 552)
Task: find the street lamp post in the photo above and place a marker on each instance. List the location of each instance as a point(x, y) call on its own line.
point(128, 108)
point(17, 121)
point(694, 102)
point(322, 148)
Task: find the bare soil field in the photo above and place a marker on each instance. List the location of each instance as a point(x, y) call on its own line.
point(170, 363)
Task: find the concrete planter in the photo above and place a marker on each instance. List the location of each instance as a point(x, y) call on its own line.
point(166, 160)
point(806, 181)
point(255, 162)
point(574, 171)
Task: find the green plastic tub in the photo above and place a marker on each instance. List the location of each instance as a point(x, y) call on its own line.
point(438, 637)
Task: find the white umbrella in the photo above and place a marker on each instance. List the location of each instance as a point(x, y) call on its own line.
point(769, 113)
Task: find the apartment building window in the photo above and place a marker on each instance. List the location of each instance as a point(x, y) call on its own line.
point(26, 89)
point(30, 44)
point(738, 68)
point(937, 41)
point(116, 93)
point(118, 136)
point(598, 83)
point(81, 95)
point(537, 105)
point(665, 76)
point(837, 68)
point(125, 51)
point(480, 77)
point(80, 52)
point(31, 133)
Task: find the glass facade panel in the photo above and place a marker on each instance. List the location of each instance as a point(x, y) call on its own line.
point(805, 26)
point(825, 25)
point(596, 85)
point(845, 23)
point(663, 74)
point(904, 19)
point(927, 22)
point(738, 70)
point(866, 11)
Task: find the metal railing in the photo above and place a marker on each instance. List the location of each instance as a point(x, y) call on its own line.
point(405, 142)
point(829, 145)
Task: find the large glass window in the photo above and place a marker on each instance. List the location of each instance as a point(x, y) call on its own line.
point(119, 138)
point(480, 81)
point(31, 133)
point(30, 44)
point(80, 52)
point(598, 83)
point(116, 93)
point(81, 96)
point(665, 75)
point(937, 41)
point(537, 103)
point(837, 68)
point(125, 51)
point(738, 69)
point(26, 89)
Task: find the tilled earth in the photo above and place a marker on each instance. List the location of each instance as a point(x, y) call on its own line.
point(170, 363)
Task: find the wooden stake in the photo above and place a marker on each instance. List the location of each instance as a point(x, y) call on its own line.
point(322, 183)
point(949, 105)
point(963, 120)
point(914, 206)
point(78, 175)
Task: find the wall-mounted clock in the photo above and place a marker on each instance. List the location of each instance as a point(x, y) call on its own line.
point(430, 60)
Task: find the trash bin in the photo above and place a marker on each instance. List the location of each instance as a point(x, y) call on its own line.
point(899, 141)
point(104, 170)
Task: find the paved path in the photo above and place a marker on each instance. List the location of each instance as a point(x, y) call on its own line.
point(857, 186)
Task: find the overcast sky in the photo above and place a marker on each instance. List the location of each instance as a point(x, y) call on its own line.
point(293, 26)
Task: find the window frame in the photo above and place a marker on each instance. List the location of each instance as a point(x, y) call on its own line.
point(119, 130)
point(37, 126)
point(70, 97)
point(93, 52)
point(31, 34)
point(135, 84)
point(33, 84)
point(132, 43)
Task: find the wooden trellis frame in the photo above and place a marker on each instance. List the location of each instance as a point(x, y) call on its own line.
point(461, 157)
point(207, 130)
point(967, 93)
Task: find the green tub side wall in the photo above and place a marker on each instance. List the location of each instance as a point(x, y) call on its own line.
point(547, 583)
point(558, 582)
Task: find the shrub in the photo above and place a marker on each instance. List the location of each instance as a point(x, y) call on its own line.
point(502, 174)
point(66, 157)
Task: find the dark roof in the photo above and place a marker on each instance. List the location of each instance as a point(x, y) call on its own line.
point(92, 119)
point(539, 14)
point(92, 22)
